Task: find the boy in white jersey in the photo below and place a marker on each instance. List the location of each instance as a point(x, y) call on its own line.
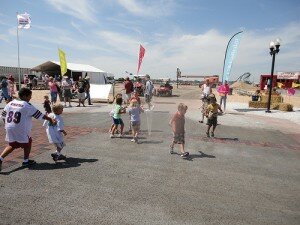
point(17, 116)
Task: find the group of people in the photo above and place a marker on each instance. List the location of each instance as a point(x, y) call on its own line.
point(210, 107)
point(17, 116)
point(66, 88)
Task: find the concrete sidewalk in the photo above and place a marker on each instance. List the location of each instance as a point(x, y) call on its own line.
point(246, 175)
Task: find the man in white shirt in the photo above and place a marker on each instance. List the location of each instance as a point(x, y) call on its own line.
point(17, 116)
point(149, 92)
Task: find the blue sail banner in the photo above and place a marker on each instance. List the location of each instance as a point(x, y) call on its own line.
point(230, 54)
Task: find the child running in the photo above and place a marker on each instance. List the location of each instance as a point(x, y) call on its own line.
point(56, 131)
point(47, 104)
point(135, 96)
point(134, 111)
point(17, 116)
point(177, 124)
point(212, 116)
point(118, 110)
point(112, 112)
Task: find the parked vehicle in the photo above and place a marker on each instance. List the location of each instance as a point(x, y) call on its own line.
point(164, 90)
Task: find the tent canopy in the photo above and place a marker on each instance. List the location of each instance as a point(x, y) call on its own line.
point(54, 66)
point(75, 70)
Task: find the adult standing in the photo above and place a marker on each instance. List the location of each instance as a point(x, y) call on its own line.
point(26, 81)
point(149, 92)
point(53, 90)
point(206, 90)
point(87, 89)
point(80, 87)
point(11, 85)
point(223, 92)
point(128, 86)
point(66, 85)
point(4, 88)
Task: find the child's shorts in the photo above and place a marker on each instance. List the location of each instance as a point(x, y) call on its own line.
point(81, 96)
point(118, 121)
point(16, 144)
point(212, 121)
point(60, 145)
point(178, 138)
point(135, 125)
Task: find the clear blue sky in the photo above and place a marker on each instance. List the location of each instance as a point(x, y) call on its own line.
point(189, 34)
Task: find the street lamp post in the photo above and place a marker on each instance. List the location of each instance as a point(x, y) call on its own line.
point(274, 49)
point(178, 74)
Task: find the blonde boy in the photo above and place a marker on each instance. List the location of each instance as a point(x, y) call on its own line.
point(177, 123)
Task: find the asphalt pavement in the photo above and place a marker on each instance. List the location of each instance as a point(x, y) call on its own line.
point(245, 175)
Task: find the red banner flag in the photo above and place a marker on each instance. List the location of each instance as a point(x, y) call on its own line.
point(141, 56)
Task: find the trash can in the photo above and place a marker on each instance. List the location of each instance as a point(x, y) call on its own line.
point(230, 91)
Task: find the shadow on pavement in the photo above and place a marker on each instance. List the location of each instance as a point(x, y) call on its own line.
point(191, 157)
point(70, 162)
point(226, 139)
point(249, 110)
point(150, 142)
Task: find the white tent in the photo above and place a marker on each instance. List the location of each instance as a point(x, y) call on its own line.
point(75, 70)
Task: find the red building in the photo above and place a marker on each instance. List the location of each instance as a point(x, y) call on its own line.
point(286, 78)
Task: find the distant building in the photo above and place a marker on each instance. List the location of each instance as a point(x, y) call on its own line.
point(7, 70)
point(285, 78)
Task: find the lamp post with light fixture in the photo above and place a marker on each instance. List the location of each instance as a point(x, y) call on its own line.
point(274, 49)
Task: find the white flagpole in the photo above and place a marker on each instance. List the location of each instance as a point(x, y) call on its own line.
point(18, 52)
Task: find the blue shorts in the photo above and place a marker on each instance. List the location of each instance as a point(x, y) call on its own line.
point(118, 121)
point(53, 96)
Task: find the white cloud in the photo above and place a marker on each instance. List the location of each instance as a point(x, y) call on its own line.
point(80, 9)
point(203, 54)
point(150, 8)
point(4, 38)
point(77, 27)
point(119, 42)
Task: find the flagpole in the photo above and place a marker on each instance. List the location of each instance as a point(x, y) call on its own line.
point(19, 71)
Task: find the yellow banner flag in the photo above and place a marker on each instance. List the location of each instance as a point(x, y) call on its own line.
point(63, 62)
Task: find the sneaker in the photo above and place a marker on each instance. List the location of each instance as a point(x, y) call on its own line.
point(171, 150)
point(61, 157)
point(53, 154)
point(120, 135)
point(212, 134)
point(207, 134)
point(132, 140)
point(185, 154)
point(111, 136)
point(29, 163)
point(152, 107)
